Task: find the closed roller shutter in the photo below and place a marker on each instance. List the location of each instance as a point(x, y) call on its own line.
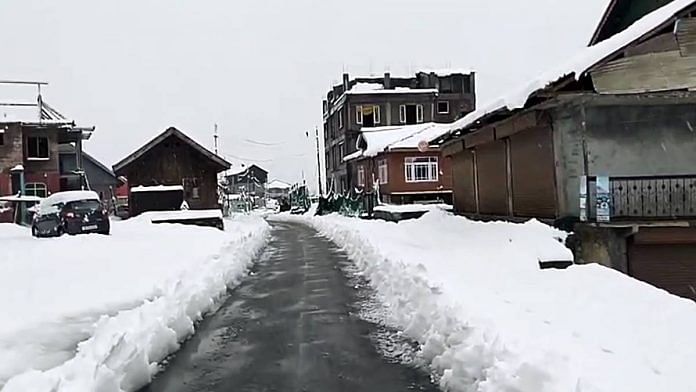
point(463, 182)
point(491, 166)
point(665, 258)
point(533, 174)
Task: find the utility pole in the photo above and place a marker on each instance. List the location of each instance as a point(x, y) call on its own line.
point(316, 134)
point(215, 138)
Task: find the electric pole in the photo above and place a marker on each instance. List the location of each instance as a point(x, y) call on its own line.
point(316, 134)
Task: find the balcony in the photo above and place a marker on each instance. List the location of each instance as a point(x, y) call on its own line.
point(648, 198)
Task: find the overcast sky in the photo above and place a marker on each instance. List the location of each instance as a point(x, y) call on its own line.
point(259, 69)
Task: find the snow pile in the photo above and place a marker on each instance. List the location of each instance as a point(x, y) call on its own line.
point(488, 319)
point(96, 313)
point(577, 65)
point(404, 208)
point(159, 216)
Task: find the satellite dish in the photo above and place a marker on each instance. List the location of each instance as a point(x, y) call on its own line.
point(423, 146)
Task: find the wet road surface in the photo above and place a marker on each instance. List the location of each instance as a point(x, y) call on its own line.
point(291, 326)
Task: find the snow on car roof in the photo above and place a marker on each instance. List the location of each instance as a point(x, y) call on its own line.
point(157, 188)
point(69, 196)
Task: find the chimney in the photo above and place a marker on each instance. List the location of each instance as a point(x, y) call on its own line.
point(346, 81)
point(387, 81)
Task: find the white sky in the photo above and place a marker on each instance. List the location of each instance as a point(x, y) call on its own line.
point(260, 68)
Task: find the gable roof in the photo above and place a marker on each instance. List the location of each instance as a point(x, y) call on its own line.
point(380, 139)
point(585, 60)
point(277, 184)
point(223, 164)
point(70, 149)
point(620, 14)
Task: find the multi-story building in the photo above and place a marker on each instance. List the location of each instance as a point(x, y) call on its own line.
point(429, 96)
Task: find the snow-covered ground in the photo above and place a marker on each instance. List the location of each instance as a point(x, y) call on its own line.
point(488, 319)
point(96, 313)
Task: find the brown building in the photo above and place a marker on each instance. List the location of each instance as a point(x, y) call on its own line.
point(389, 158)
point(172, 158)
point(30, 142)
point(605, 149)
point(429, 96)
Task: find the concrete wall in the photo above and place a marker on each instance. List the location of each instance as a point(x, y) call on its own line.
point(638, 139)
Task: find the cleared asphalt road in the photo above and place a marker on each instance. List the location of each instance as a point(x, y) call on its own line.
point(291, 326)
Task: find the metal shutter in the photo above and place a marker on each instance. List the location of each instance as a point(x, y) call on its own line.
point(533, 174)
point(665, 258)
point(463, 182)
point(491, 167)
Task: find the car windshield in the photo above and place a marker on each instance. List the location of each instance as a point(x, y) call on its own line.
point(83, 205)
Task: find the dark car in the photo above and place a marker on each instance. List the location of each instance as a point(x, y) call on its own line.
point(74, 212)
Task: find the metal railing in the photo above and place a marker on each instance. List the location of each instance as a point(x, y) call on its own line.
point(654, 197)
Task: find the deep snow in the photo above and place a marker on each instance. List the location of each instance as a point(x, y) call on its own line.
point(488, 319)
point(127, 299)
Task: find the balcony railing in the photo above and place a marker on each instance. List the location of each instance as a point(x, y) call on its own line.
point(648, 197)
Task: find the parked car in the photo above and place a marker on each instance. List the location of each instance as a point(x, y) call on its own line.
point(72, 212)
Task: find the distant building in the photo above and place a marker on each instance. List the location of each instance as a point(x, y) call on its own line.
point(248, 179)
point(278, 190)
point(170, 159)
point(96, 177)
point(431, 96)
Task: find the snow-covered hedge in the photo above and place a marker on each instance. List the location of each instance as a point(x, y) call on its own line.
point(488, 319)
point(128, 298)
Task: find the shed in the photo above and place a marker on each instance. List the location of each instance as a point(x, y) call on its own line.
point(170, 159)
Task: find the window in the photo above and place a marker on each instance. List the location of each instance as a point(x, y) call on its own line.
point(38, 189)
point(446, 85)
point(361, 176)
point(341, 152)
point(340, 119)
point(410, 114)
point(368, 115)
point(421, 169)
point(443, 107)
point(37, 147)
point(382, 171)
point(191, 188)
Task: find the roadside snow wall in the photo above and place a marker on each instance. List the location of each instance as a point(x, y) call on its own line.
point(145, 286)
point(488, 319)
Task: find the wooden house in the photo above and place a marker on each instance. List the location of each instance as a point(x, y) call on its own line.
point(170, 159)
point(603, 145)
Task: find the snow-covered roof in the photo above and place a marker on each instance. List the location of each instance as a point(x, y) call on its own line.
point(397, 90)
point(443, 72)
point(69, 196)
point(578, 65)
point(19, 167)
point(388, 138)
point(157, 188)
point(277, 184)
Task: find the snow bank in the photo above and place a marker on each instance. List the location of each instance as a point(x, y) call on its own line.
point(488, 319)
point(128, 299)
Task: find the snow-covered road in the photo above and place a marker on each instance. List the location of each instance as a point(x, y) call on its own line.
point(95, 312)
point(295, 325)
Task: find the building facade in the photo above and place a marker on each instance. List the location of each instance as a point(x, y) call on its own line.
point(250, 180)
point(174, 159)
point(607, 152)
point(433, 96)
